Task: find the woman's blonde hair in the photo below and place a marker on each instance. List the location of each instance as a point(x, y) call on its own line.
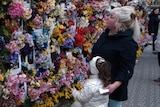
point(126, 18)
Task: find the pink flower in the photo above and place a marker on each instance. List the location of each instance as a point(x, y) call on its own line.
point(37, 21)
point(35, 93)
point(15, 10)
point(13, 46)
point(13, 85)
point(92, 18)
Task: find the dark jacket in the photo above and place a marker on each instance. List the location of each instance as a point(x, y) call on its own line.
point(153, 24)
point(120, 50)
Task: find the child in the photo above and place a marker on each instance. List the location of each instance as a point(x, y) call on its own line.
point(90, 95)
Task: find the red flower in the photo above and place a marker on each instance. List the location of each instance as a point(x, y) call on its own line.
point(70, 23)
point(79, 40)
point(91, 29)
point(81, 31)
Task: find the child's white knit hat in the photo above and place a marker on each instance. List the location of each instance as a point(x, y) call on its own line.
point(93, 68)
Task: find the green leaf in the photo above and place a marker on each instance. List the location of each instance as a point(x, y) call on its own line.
point(4, 31)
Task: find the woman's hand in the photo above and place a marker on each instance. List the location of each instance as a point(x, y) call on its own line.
point(112, 87)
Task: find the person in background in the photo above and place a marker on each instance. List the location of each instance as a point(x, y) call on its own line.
point(157, 48)
point(118, 45)
point(153, 26)
point(99, 78)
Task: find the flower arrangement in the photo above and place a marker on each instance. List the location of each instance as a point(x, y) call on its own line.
point(13, 89)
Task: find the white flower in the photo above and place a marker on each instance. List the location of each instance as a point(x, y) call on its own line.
point(82, 22)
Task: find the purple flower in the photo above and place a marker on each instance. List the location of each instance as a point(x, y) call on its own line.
point(13, 58)
point(68, 43)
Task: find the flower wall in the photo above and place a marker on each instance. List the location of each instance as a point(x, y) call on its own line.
point(45, 47)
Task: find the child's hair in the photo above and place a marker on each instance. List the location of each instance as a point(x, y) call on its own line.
point(104, 68)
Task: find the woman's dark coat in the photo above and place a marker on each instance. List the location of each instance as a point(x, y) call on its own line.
point(153, 24)
point(120, 50)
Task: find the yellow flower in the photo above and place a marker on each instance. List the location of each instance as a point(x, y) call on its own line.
point(90, 11)
point(45, 53)
point(61, 40)
point(48, 102)
point(97, 26)
point(21, 101)
point(78, 86)
point(22, 37)
point(51, 15)
point(37, 84)
point(32, 83)
point(67, 96)
point(56, 31)
point(67, 93)
point(1, 15)
point(31, 24)
point(1, 77)
point(53, 78)
point(139, 52)
point(53, 48)
point(33, 71)
point(60, 94)
point(55, 98)
point(62, 27)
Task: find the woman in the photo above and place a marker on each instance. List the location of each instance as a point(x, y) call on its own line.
point(153, 26)
point(118, 45)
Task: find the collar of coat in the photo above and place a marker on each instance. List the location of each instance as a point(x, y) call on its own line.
point(127, 32)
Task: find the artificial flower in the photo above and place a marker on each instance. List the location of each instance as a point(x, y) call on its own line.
point(87, 46)
point(13, 46)
point(70, 23)
point(68, 43)
point(2, 15)
point(55, 98)
point(1, 77)
point(37, 21)
point(59, 10)
point(15, 10)
point(12, 25)
point(80, 7)
point(51, 4)
point(82, 22)
point(92, 18)
point(42, 7)
point(13, 82)
point(79, 40)
point(62, 27)
point(49, 22)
